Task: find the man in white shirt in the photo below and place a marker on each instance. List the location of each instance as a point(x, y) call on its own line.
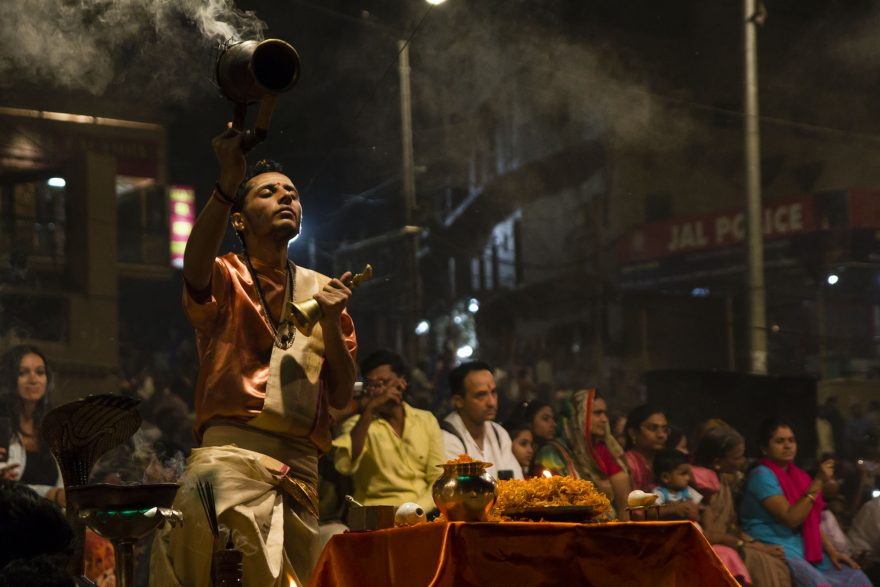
point(470, 428)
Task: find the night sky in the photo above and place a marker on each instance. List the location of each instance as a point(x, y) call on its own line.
point(338, 130)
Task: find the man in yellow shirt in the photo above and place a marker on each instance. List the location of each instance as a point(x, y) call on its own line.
point(390, 449)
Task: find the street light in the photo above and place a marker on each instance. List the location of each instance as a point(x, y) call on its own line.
point(435, 2)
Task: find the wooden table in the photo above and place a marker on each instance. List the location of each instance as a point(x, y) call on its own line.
point(456, 554)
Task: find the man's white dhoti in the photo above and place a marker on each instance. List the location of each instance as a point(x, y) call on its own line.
point(264, 472)
point(269, 517)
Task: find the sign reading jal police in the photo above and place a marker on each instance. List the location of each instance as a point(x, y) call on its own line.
point(730, 228)
point(661, 239)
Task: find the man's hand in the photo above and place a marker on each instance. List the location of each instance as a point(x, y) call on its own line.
point(825, 472)
point(333, 299)
point(233, 165)
point(369, 405)
point(392, 393)
point(9, 472)
point(57, 496)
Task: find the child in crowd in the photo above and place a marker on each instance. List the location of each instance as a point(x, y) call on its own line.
point(522, 445)
point(673, 475)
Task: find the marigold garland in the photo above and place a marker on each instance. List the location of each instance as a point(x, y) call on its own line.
point(515, 494)
point(460, 459)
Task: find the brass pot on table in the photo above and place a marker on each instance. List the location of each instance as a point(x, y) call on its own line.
point(465, 492)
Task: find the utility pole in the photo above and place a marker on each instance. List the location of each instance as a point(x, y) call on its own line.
point(409, 178)
point(413, 297)
point(757, 313)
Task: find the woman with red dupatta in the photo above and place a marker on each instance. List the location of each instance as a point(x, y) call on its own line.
point(595, 453)
point(782, 505)
point(718, 457)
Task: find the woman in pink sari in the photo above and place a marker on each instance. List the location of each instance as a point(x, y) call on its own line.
point(646, 432)
point(718, 456)
point(781, 505)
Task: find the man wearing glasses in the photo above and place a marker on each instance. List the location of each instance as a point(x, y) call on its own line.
point(391, 449)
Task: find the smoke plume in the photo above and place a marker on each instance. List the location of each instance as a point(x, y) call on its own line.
point(92, 45)
point(564, 81)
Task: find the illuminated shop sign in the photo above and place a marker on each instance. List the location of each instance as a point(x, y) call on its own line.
point(182, 215)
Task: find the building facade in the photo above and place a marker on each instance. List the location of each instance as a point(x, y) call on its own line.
point(84, 209)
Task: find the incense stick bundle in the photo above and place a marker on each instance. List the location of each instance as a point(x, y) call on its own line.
point(206, 496)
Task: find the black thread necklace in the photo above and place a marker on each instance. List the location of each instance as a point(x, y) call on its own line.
point(284, 332)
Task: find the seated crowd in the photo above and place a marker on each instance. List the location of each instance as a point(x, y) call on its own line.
point(767, 525)
point(771, 523)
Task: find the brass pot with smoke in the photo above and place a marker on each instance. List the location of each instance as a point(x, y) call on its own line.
point(256, 71)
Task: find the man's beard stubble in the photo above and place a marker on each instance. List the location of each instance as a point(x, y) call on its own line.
point(283, 235)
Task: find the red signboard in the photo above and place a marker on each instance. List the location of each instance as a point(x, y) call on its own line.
point(652, 241)
point(864, 208)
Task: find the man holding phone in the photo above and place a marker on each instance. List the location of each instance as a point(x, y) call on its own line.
point(390, 449)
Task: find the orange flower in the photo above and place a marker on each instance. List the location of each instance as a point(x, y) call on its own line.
point(460, 459)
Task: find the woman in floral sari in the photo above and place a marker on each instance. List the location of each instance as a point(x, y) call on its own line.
point(586, 448)
point(551, 453)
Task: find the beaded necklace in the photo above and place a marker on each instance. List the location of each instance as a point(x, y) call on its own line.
point(284, 332)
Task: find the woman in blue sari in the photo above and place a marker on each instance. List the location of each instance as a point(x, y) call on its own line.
point(781, 505)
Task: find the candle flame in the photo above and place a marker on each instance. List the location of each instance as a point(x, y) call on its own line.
point(547, 473)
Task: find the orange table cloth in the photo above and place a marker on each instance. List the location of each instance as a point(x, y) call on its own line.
point(522, 553)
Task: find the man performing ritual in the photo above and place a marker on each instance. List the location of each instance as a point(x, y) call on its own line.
point(263, 388)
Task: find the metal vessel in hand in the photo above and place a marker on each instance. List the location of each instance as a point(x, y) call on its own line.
point(306, 314)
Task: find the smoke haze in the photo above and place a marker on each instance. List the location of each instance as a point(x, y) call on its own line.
point(597, 88)
point(91, 45)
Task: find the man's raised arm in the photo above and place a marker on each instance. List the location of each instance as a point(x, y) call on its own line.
point(207, 232)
